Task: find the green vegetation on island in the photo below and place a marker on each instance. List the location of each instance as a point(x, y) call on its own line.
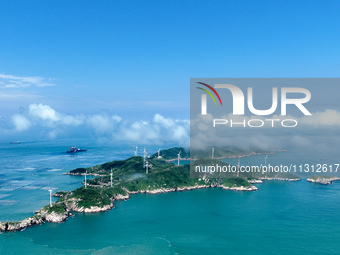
point(219, 153)
point(58, 208)
point(236, 182)
point(172, 153)
point(129, 176)
point(226, 152)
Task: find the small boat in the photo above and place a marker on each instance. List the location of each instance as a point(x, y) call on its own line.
point(16, 142)
point(75, 149)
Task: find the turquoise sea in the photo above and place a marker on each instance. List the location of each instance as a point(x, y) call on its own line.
point(279, 218)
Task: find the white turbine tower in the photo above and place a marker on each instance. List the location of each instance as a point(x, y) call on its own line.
point(212, 152)
point(145, 153)
point(159, 150)
point(85, 180)
point(178, 157)
point(147, 167)
point(50, 190)
point(111, 178)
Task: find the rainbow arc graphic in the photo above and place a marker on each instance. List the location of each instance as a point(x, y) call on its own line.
point(209, 93)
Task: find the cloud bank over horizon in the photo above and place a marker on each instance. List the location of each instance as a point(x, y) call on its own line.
point(43, 122)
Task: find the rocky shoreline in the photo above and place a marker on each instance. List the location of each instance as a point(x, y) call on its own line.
point(325, 180)
point(241, 188)
point(279, 179)
point(179, 189)
point(43, 216)
point(39, 218)
point(82, 174)
point(255, 181)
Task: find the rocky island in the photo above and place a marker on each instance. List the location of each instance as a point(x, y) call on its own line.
point(321, 179)
point(117, 180)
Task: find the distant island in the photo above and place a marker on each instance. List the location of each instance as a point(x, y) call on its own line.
point(117, 180)
point(322, 179)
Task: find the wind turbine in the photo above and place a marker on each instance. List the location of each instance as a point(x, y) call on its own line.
point(147, 167)
point(178, 157)
point(111, 178)
point(212, 152)
point(144, 157)
point(85, 179)
point(50, 190)
point(159, 150)
point(136, 151)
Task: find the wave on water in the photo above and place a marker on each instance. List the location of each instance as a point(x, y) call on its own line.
point(27, 169)
point(169, 243)
point(30, 187)
point(7, 189)
point(48, 188)
point(54, 170)
point(7, 202)
point(20, 183)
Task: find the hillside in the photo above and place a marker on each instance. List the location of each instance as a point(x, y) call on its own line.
point(172, 153)
point(219, 153)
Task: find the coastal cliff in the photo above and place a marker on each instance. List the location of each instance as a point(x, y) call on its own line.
point(39, 218)
point(58, 213)
point(241, 188)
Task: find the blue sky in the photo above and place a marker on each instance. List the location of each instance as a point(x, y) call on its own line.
point(135, 59)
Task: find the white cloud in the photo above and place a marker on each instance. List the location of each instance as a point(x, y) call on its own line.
point(12, 81)
point(156, 131)
point(53, 124)
point(51, 117)
point(165, 122)
point(102, 123)
point(21, 123)
point(327, 118)
point(160, 129)
point(44, 112)
point(116, 118)
point(139, 132)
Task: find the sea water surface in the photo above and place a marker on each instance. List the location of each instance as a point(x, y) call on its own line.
point(279, 218)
